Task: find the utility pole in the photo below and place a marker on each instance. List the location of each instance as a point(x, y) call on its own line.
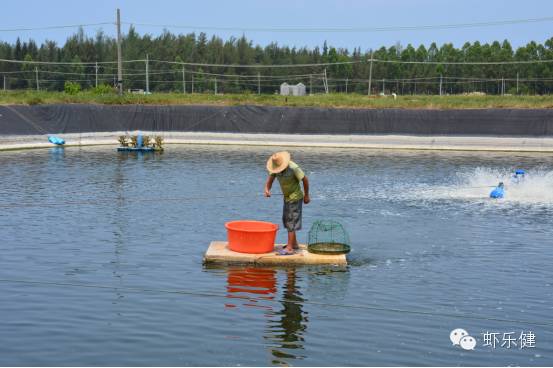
point(326, 83)
point(96, 73)
point(183, 81)
point(517, 83)
point(192, 83)
point(36, 76)
point(147, 74)
point(383, 86)
point(503, 86)
point(440, 84)
point(4, 82)
point(258, 83)
point(370, 74)
point(310, 84)
point(346, 86)
point(119, 58)
point(215, 85)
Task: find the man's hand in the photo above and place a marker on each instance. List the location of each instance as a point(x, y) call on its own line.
point(306, 198)
point(269, 185)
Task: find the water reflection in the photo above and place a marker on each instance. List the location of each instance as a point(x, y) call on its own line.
point(57, 153)
point(249, 287)
point(139, 155)
point(286, 321)
point(288, 325)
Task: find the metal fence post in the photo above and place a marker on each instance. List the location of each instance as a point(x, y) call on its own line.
point(183, 81)
point(370, 74)
point(36, 76)
point(147, 74)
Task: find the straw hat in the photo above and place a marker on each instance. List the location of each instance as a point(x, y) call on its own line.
point(278, 162)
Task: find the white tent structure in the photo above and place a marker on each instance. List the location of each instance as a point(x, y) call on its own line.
point(298, 90)
point(284, 89)
point(291, 90)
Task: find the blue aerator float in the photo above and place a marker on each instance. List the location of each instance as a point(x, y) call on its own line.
point(135, 149)
point(498, 192)
point(56, 140)
point(140, 143)
point(517, 178)
point(140, 147)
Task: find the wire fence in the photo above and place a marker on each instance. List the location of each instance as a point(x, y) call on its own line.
point(152, 75)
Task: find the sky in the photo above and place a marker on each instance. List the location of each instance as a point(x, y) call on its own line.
point(289, 13)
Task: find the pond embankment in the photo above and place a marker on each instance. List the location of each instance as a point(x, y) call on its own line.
point(23, 126)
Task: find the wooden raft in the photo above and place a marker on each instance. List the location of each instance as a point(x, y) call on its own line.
point(218, 253)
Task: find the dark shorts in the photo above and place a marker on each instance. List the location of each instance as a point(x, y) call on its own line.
point(291, 215)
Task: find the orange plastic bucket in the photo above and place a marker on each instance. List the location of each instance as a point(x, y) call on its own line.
point(251, 236)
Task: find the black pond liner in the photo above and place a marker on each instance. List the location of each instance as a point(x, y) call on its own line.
point(83, 118)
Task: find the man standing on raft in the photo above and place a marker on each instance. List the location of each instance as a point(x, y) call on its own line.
point(289, 175)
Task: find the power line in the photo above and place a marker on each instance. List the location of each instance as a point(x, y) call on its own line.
point(92, 63)
point(257, 66)
point(270, 82)
point(464, 62)
point(251, 77)
point(299, 29)
point(358, 62)
point(242, 77)
point(352, 29)
point(54, 27)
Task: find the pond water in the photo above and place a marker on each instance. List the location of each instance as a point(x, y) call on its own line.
point(101, 259)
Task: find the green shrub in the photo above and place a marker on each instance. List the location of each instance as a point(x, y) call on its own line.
point(103, 89)
point(34, 100)
point(71, 88)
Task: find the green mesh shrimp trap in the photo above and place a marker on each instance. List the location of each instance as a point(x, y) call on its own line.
point(328, 237)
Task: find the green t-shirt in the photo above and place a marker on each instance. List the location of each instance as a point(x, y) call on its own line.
point(289, 181)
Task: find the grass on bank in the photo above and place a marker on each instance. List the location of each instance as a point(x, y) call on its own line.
point(333, 100)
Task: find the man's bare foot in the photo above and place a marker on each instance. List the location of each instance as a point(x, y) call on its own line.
point(286, 251)
point(288, 247)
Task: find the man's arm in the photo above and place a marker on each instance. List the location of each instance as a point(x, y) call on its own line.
point(306, 198)
point(269, 185)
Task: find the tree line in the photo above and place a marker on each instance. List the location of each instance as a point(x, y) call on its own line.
point(527, 78)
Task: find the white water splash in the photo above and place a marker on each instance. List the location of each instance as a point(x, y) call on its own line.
point(535, 188)
point(469, 186)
